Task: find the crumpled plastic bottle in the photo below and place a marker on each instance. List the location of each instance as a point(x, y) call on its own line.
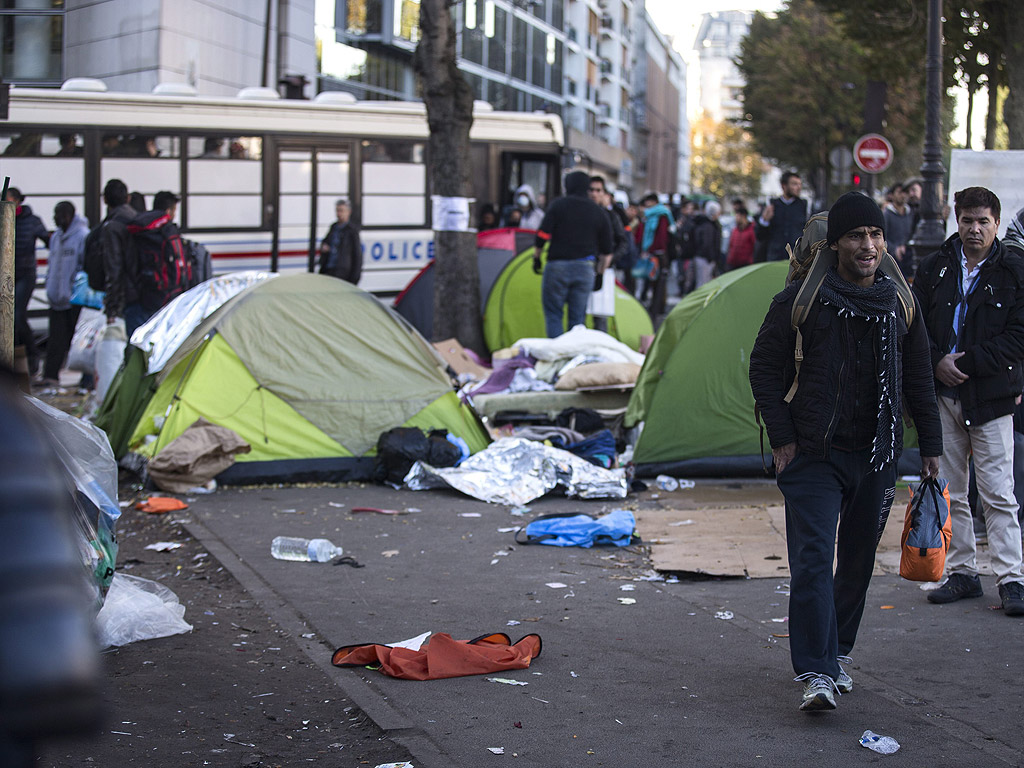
point(667, 483)
point(883, 745)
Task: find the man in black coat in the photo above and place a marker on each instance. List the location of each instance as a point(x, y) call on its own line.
point(579, 237)
point(836, 440)
point(782, 220)
point(971, 292)
point(341, 254)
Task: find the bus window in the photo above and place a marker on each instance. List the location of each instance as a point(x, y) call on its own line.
point(226, 147)
point(147, 163)
point(222, 192)
point(394, 184)
point(41, 145)
point(36, 167)
point(136, 145)
point(332, 185)
point(536, 173)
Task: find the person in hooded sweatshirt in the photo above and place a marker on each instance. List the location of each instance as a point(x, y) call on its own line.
point(526, 202)
point(67, 249)
point(27, 229)
point(579, 238)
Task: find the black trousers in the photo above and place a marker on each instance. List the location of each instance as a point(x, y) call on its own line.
point(825, 609)
point(62, 328)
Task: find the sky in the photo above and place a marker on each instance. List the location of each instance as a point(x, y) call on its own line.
point(681, 19)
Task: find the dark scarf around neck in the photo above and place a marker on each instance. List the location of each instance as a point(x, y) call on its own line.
point(876, 303)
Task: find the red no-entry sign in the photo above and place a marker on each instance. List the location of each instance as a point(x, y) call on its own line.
point(872, 153)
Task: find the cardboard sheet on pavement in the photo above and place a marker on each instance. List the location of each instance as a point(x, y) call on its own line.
point(737, 541)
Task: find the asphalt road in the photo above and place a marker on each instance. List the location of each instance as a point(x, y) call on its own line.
point(695, 672)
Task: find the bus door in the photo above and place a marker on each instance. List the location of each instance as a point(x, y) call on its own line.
point(310, 179)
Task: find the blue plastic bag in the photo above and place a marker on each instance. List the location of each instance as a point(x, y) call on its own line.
point(84, 296)
point(580, 530)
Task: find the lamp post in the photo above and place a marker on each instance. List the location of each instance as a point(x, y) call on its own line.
point(931, 231)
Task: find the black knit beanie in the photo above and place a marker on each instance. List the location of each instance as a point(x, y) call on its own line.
point(853, 210)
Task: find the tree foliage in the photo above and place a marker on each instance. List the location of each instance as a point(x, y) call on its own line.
point(723, 161)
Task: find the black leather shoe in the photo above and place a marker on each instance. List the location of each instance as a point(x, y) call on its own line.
point(957, 587)
point(1012, 595)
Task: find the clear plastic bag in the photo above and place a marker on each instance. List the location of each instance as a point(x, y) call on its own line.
point(109, 356)
point(82, 354)
point(85, 452)
point(139, 609)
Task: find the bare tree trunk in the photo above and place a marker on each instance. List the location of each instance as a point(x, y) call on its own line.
point(449, 101)
point(970, 110)
point(992, 116)
point(1013, 109)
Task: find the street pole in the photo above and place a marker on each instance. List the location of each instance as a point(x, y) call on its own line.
point(931, 230)
point(7, 284)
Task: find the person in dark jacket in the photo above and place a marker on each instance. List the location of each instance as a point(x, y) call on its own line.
point(121, 273)
point(579, 239)
point(836, 440)
point(782, 220)
point(598, 192)
point(971, 293)
point(707, 237)
point(28, 228)
point(341, 254)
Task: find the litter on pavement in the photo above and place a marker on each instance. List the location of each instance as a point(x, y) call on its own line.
point(725, 615)
point(158, 505)
point(580, 530)
point(516, 471)
point(883, 745)
point(163, 546)
point(139, 609)
point(506, 681)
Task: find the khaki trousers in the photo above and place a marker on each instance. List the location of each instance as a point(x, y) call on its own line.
point(991, 444)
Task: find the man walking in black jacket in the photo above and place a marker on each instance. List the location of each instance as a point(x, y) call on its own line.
point(782, 220)
point(836, 440)
point(972, 295)
point(580, 237)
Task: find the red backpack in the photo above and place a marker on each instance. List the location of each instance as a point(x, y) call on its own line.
point(165, 269)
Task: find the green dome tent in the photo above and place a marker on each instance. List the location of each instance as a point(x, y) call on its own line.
point(309, 370)
point(513, 310)
point(693, 392)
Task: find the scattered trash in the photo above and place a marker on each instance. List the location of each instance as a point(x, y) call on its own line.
point(304, 550)
point(627, 600)
point(513, 623)
point(203, 490)
point(158, 505)
point(780, 621)
point(404, 764)
point(780, 634)
point(556, 585)
point(519, 511)
point(288, 511)
point(517, 724)
point(413, 510)
point(887, 607)
point(883, 745)
point(139, 609)
point(163, 546)
point(510, 529)
point(389, 552)
point(230, 739)
point(681, 522)
point(506, 681)
point(667, 483)
point(496, 750)
point(337, 504)
point(378, 510)
point(581, 530)
point(724, 615)
point(573, 674)
point(470, 514)
point(627, 587)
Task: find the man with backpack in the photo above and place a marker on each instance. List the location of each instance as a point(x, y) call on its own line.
point(971, 293)
point(836, 431)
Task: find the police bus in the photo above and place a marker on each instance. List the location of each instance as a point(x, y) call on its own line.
point(259, 175)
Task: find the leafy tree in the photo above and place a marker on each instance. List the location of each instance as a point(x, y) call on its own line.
point(724, 163)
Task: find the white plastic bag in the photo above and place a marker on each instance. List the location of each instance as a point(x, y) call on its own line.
point(82, 355)
point(139, 609)
point(109, 356)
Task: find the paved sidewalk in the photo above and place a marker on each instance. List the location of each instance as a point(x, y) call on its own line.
point(665, 681)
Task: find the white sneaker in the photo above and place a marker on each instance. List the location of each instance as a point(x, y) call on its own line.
point(844, 683)
point(819, 691)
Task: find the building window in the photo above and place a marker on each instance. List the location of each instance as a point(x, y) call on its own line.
point(407, 20)
point(496, 31)
point(472, 35)
point(33, 42)
point(538, 57)
point(520, 39)
point(362, 17)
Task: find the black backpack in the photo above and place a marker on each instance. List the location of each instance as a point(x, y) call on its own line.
point(165, 269)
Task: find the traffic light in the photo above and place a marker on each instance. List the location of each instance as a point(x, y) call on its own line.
point(855, 179)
